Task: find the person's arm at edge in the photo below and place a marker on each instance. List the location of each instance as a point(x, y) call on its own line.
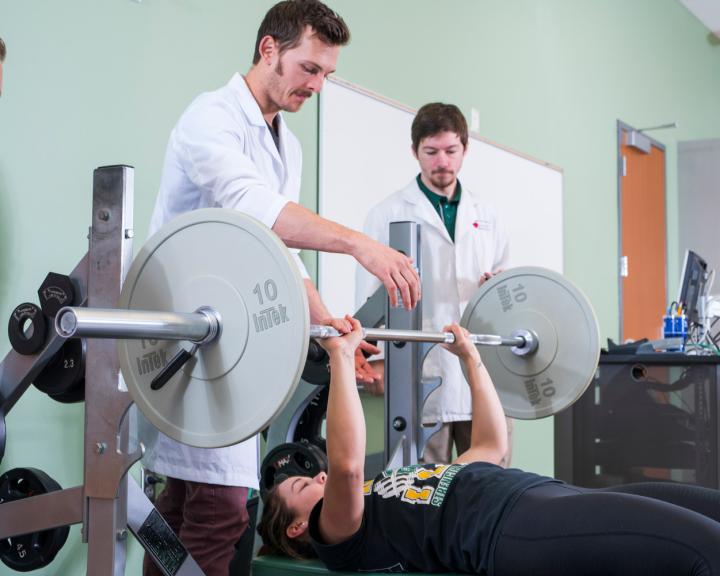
point(488, 439)
point(318, 312)
point(216, 165)
point(343, 503)
point(299, 227)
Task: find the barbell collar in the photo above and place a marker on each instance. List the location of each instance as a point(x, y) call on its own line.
point(530, 342)
point(199, 327)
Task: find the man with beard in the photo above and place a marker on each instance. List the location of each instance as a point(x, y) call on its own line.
point(463, 245)
point(231, 148)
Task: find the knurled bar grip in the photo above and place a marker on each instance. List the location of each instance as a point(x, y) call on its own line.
point(75, 322)
point(387, 335)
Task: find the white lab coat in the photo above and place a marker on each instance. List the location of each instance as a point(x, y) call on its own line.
point(221, 154)
point(450, 276)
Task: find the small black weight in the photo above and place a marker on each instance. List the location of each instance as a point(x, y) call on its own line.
point(56, 291)
point(38, 549)
point(317, 365)
point(317, 369)
point(290, 459)
point(3, 433)
point(63, 378)
point(26, 328)
point(309, 426)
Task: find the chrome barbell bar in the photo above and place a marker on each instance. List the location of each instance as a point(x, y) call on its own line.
point(205, 325)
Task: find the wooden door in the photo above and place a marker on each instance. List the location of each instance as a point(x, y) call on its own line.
point(643, 276)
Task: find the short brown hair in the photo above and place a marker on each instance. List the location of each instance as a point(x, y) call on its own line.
point(3, 50)
point(276, 517)
point(286, 22)
point(435, 118)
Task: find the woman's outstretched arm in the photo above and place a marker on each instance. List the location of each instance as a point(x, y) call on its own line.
point(342, 510)
point(488, 441)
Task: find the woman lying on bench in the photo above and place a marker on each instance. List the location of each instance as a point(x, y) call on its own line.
point(472, 515)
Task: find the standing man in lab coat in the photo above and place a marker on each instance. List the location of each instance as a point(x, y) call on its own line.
point(231, 148)
point(463, 245)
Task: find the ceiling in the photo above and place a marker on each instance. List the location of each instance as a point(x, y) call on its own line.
point(707, 11)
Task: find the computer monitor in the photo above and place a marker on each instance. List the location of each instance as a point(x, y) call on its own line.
point(692, 286)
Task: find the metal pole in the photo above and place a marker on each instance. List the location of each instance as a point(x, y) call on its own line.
point(203, 325)
point(135, 324)
point(390, 335)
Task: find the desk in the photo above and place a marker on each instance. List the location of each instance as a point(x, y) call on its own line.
point(643, 418)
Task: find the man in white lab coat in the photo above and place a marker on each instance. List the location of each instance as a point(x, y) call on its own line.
point(463, 245)
point(231, 148)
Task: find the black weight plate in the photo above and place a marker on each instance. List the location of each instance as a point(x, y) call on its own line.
point(73, 395)
point(63, 378)
point(38, 549)
point(56, 291)
point(310, 424)
point(26, 328)
point(316, 370)
point(3, 432)
point(290, 459)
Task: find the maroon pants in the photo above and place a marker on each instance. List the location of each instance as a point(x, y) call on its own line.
point(209, 520)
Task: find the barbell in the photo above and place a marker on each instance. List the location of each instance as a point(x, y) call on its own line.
point(247, 320)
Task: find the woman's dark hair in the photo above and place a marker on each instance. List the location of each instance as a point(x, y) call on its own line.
point(3, 50)
point(276, 517)
point(286, 22)
point(435, 118)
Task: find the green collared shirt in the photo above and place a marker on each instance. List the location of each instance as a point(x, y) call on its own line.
point(446, 209)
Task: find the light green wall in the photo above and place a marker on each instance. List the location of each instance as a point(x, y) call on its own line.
point(550, 78)
point(95, 82)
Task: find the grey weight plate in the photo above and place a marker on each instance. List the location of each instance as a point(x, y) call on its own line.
point(234, 386)
point(544, 302)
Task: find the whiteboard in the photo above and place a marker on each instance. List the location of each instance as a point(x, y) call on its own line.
point(365, 155)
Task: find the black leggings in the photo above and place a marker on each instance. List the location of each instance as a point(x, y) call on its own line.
point(649, 528)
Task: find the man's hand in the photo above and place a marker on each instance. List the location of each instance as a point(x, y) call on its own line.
point(377, 386)
point(395, 270)
point(364, 371)
point(487, 275)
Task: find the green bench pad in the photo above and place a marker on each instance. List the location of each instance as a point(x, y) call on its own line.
point(279, 566)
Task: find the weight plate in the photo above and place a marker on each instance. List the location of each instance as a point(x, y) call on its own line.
point(63, 378)
point(237, 384)
point(317, 366)
point(26, 328)
point(291, 459)
point(29, 551)
point(56, 291)
point(542, 301)
point(311, 424)
point(75, 394)
point(3, 435)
